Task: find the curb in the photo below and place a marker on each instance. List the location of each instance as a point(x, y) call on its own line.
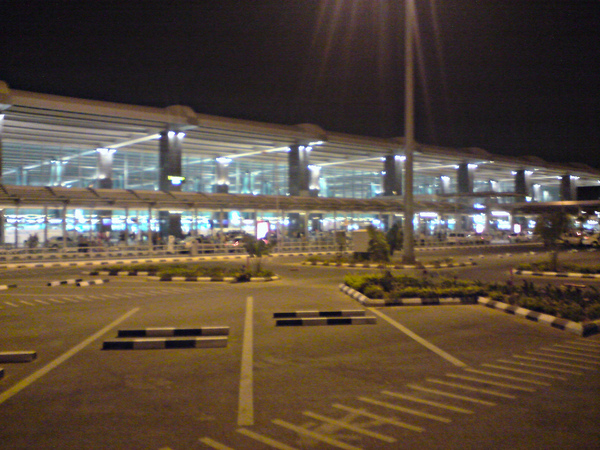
point(210, 279)
point(154, 344)
point(63, 282)
point(326, 321)
point(381, 266)
point(1, 373)
point(91, 282)
point(17, 357)
point(582, 329)
point(7, 286)
point(305, 314)
point(558, 274)
point(155, 332)
point(366, 301)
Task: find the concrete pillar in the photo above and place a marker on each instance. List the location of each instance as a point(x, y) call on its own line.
point(222, 175)
point(170, 178)
point(314, 175)
point(522, 183)
point(568, 188)
point(56, 172)
point(444, 185)
point(105, 181)
point(298, 171)
point(392, 175)
point(465, 176)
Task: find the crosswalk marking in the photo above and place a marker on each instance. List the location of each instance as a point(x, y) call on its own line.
point(492, 383)
point(450, 395)
point(214, 444)
point(470, 388)
point(507, 377)
point(537, 366)
point(346, 425)
point(527, 372)
point(567, 358)
point(576, 347)
point(572, 353)
point(427, 402)
point(414, 412)
point(379, 418)
point(550, 361)
point(315, 435)
point(588, 343)
point(264, 439)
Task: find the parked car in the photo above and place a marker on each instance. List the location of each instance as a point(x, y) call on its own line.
point(457, 238)
point(58, 242)
point(523, 236)
point(481, 238)
point(572, 238)
point(591, 240)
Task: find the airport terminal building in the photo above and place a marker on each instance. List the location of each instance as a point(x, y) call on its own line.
point(71, 165)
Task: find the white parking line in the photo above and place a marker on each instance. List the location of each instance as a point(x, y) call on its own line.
point(550, 361)
point(53, 300)
point(42, 302)
point(507, 377)
point(538, 366)
point(450, 395)
point(264, 439)
point(379, 418)
point(470, 388)
point(527, 372)
point(11, 304)
point(589, 343)
point(568, 358)
point(492, 383)
point(314, 435)
point(427, 402)
point(214, 444)
point(346, 425)
point(26, 303)
point(578, 348)
point(419, 339)
point(414, 412)
point(62, 358)
point(246, 398)
point(580, 353)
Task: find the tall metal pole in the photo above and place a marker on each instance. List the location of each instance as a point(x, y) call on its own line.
point(408, 256)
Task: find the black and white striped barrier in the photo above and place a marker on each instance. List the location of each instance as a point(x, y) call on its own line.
point(171, 331)
point(593, 276)
point(341, 313)
point(63, 282)
point(308, 321)
point(153, 344)
point(91, 282)
point(7, 286)
point(17, 357)
point(579, 328)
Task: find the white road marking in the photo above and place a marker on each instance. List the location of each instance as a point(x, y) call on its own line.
point(414, 412)
point(62, 358)
point(314, 435)
point(427, 402)
point(450, 395)
point(470, 388)
point(419, 339)
point(550, 354)
point(26, 303)
point(550, 361)
point(11, 304)
point(246, 396)
point(527, 372)
point(264, 439)
point(214, 444)
point(492, 383)
point(346, 425)
point(42, 302)
point(379, 418)
point(507, 377)
point(53, 300)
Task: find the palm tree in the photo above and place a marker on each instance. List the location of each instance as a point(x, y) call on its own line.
point(550, 226)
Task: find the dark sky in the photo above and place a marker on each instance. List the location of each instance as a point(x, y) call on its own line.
point(513, 77)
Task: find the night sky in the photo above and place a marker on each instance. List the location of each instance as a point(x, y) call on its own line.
point(515, 77)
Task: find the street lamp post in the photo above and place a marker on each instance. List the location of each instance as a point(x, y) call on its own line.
point(408, 256)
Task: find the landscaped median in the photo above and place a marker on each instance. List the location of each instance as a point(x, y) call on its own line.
point(566, 308)
point(188, 272)
point(344, 261)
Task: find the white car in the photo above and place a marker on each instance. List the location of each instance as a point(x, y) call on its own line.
point(591, 240)
point(520, 237)
point(572, 238)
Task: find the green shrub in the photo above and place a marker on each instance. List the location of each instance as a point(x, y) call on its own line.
point(374, 291)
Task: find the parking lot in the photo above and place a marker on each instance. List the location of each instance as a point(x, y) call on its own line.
point(460, 376)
